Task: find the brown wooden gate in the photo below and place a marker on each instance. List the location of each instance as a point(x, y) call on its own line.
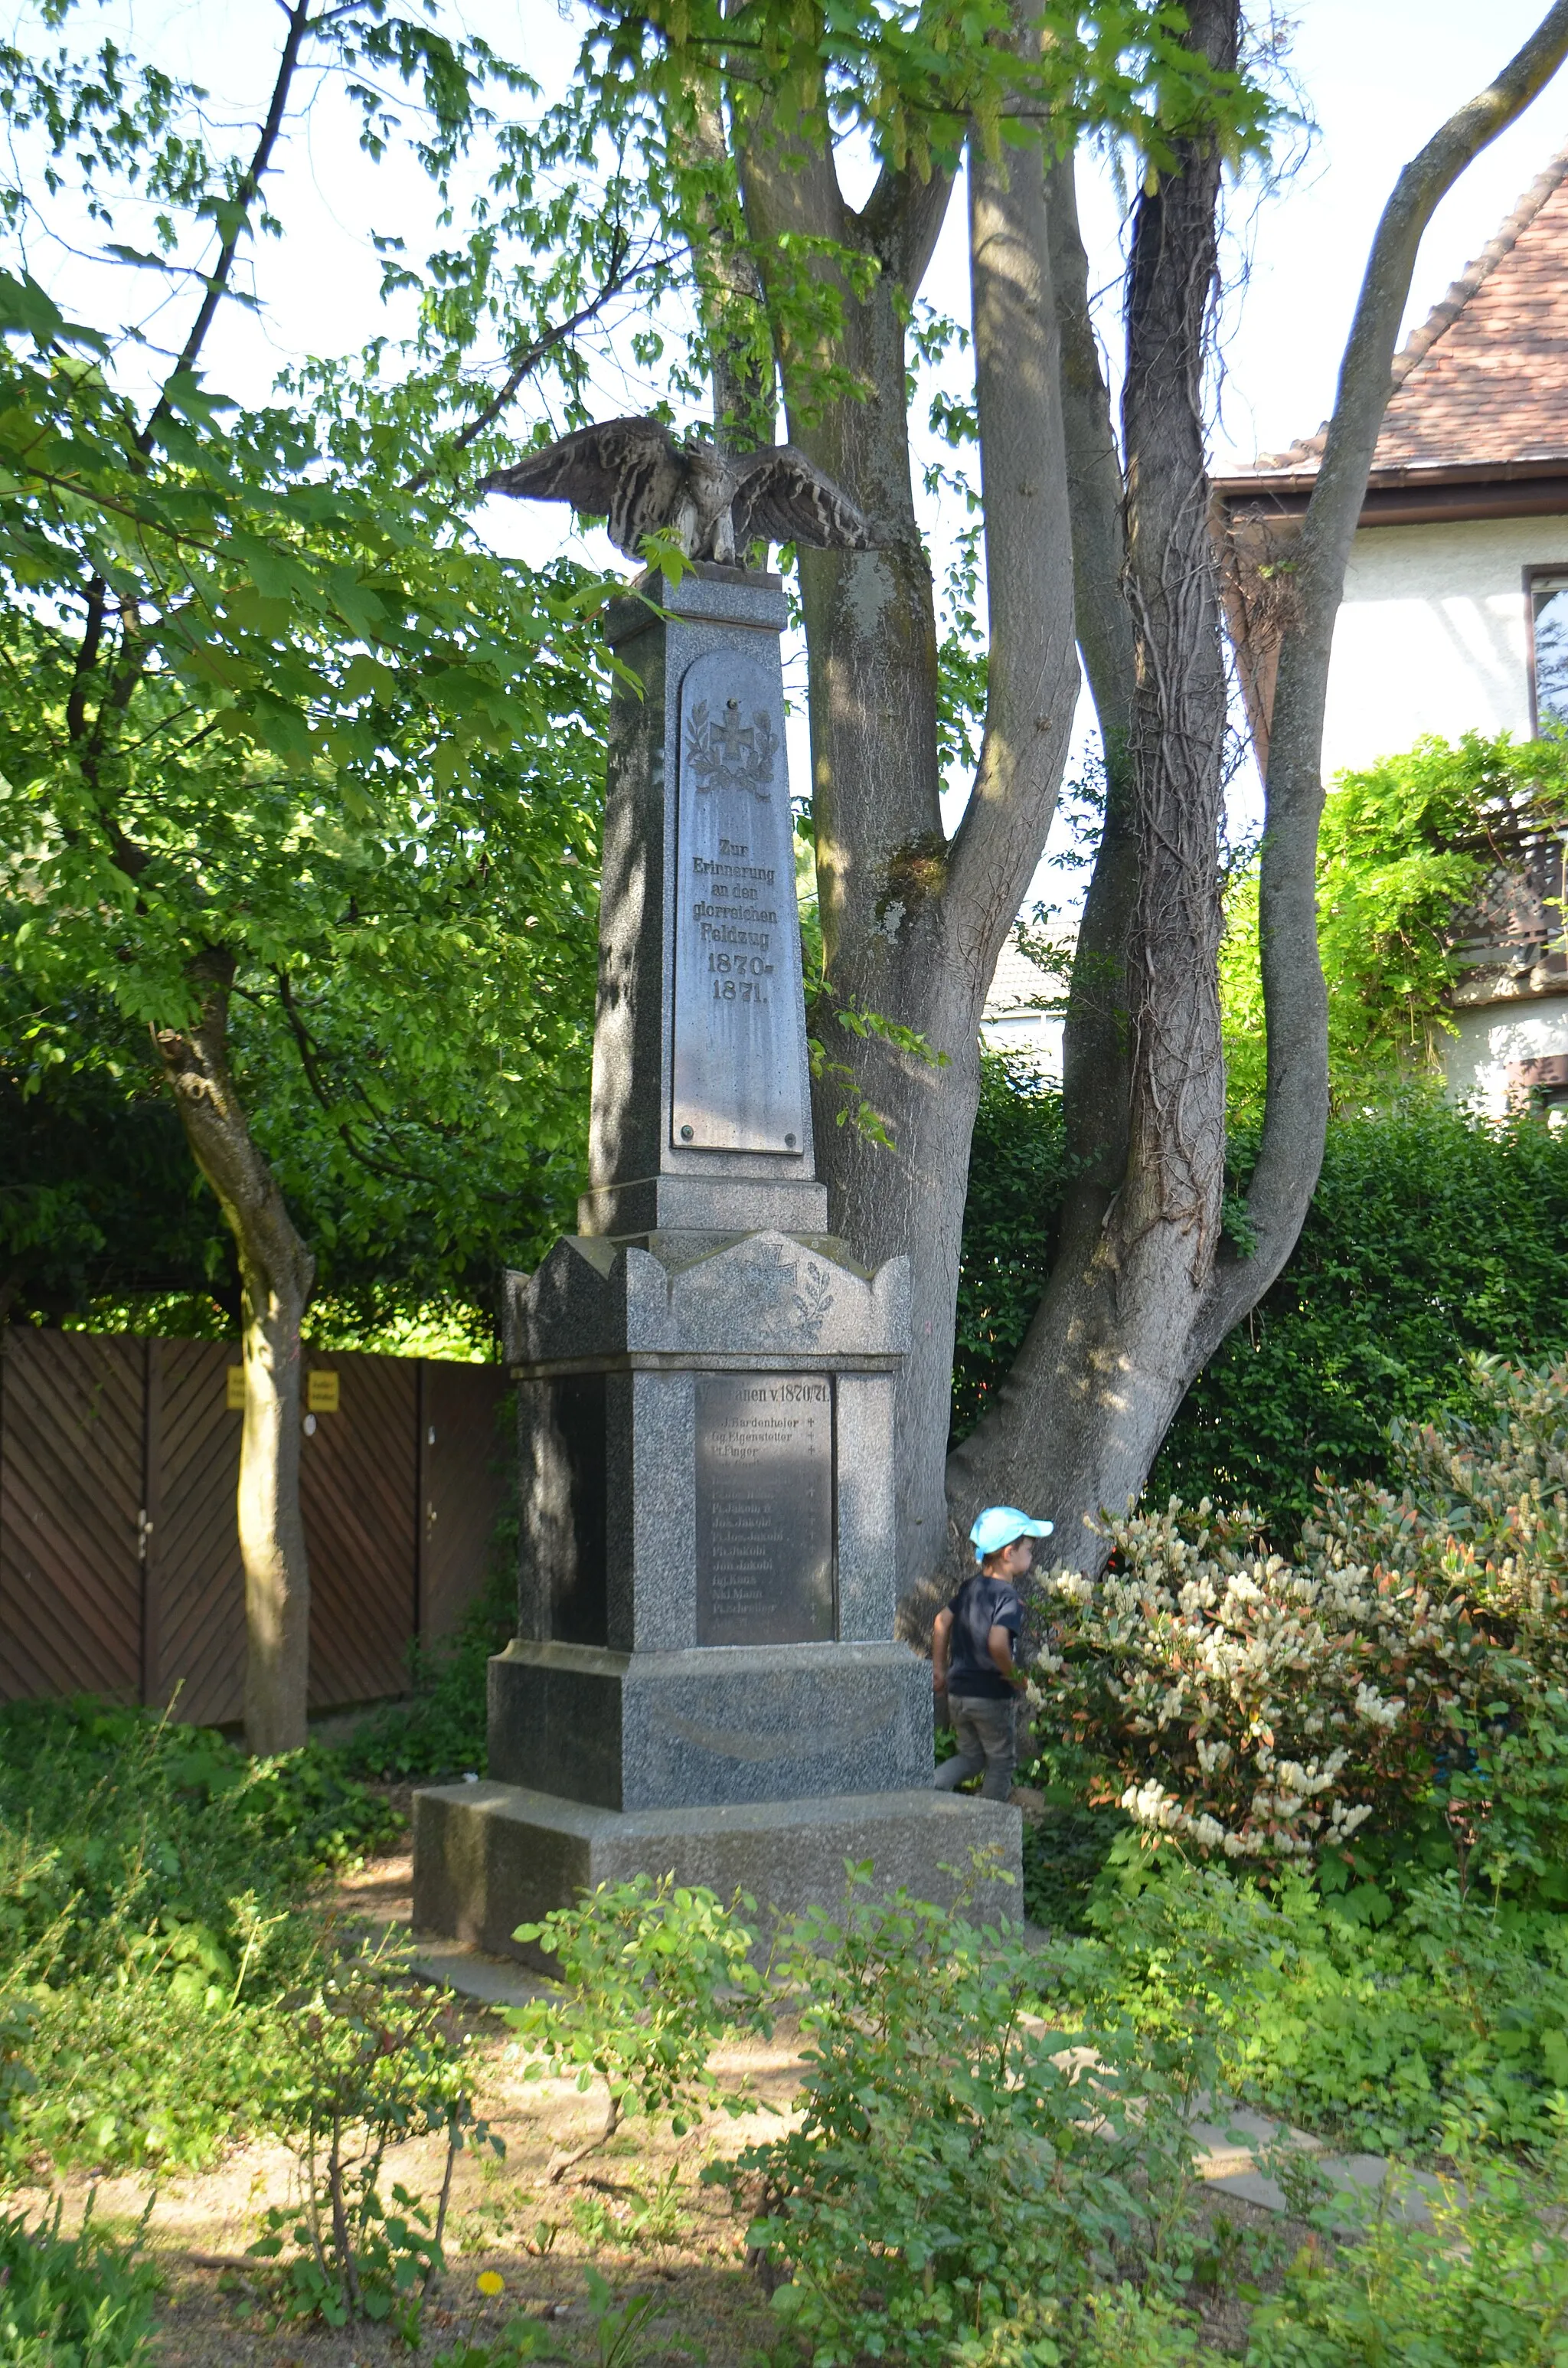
point(120, 1569)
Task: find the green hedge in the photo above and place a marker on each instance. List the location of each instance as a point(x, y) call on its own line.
point(1430, 1235)
point(1009, 1227)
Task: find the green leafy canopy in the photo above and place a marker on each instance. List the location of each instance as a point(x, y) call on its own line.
point(271, 716)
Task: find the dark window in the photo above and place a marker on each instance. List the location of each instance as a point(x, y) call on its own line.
point(1541, 1085)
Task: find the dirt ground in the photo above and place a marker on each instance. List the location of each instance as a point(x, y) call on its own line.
point(508, 2220)
point(505, 2217)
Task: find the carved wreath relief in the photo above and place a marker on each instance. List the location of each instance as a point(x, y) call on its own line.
point(726, 753)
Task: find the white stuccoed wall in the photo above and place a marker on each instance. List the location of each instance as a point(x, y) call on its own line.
point(1432, 636)
point(1476, 1060)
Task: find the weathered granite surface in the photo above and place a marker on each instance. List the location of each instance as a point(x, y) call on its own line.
point(642, 1178)
point(490, 1856)
point(609, 1345)
point(766, 1296)
point(702, 1727)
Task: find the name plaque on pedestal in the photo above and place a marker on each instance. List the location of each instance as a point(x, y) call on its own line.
point(739, 1057)
point(765, 1509)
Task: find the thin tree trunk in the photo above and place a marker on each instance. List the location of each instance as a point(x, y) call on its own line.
point(1097, 1051)
point(276, 1274)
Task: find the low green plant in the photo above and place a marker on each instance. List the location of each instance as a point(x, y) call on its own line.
point(496, 2219)
point(654, 1974)
point(595, 2222)
point(521, 2338)
point(620, 2335)
point(365, 2262)
point(372, 2065)
point(115, 1820)
point(622, 2332)
point(18, 2025)
point(1446, 2016)
point(1414, 2020)
point(655, 2221)
point(72, 2302)
point(154, 1893)
point(951, 2162)
point(1065, 1846)
point(1125, 2328)
point(1183, 1953)
point(1486, 2286)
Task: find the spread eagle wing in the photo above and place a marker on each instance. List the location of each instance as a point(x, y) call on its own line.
point(783, 499)
point(623, 470)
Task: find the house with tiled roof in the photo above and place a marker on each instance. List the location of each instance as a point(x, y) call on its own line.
point(1023, 1012)
point(1455, 616)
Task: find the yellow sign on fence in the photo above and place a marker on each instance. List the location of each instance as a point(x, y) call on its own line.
point(321, 1391)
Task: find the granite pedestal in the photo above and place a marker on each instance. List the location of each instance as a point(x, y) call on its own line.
point(490, 1856)
point(705, 1679)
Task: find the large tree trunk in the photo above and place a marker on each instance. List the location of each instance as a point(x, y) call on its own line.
point(1106, 1358)
point(1097, 1051)
point(276, 1274)
point(913, 924)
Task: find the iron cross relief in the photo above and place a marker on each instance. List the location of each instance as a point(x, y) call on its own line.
point(727, 754)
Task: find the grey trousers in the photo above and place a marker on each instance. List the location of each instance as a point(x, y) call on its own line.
point(984, 1728)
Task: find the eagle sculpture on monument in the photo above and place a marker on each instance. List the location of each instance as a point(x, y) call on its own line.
point(715, 504)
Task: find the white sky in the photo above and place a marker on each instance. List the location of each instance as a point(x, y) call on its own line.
point(1377, 76)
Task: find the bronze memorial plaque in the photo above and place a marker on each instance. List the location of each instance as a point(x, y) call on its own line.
point(764, 1545)
point(739, 1038)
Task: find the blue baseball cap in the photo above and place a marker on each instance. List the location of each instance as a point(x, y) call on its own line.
point(1000, 1525)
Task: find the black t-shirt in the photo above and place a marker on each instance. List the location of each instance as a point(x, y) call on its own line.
point(980, 1605)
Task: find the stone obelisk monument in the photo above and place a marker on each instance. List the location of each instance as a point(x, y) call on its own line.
point(705, 1679)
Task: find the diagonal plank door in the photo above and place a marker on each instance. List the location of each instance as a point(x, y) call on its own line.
point(359, 1482)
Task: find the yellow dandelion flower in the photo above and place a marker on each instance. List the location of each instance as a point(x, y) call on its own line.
point(491, 2281)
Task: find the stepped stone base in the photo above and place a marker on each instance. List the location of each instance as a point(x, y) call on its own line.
point(709, 1728)
point(490, 1856)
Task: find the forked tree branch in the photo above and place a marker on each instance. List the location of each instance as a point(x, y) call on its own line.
point(620, 269)
point(1295, 1001)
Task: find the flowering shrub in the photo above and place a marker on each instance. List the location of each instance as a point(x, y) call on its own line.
point(1244, 1703)
point(1483, 1511)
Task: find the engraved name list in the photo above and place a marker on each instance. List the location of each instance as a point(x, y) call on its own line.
point(765, 1563)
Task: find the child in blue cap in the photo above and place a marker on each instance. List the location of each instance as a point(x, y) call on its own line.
point(971, 1651)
